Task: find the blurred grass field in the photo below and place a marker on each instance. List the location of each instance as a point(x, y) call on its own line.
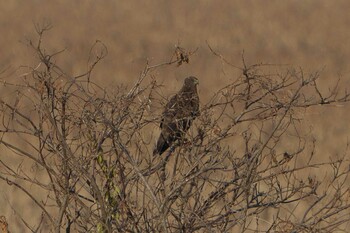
point(309, 34)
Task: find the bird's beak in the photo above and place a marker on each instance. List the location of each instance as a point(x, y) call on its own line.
point(196, 82)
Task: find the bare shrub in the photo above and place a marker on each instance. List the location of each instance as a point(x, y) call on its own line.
point(242, 166)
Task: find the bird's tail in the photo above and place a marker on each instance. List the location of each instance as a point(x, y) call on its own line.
point(162, 145)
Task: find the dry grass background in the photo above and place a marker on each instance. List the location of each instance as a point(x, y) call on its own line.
point(313, 35)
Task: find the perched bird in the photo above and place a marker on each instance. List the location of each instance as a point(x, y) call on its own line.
point(178, 115)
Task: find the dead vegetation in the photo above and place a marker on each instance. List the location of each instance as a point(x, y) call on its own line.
point(239, 168)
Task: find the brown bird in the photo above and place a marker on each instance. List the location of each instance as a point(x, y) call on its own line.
point(178, 115)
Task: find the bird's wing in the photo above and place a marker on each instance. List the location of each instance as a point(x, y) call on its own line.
point(170, 110)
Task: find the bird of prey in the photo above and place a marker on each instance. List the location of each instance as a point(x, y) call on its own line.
point(178, 115)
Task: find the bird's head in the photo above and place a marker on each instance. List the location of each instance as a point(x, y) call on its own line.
point(191, 81)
